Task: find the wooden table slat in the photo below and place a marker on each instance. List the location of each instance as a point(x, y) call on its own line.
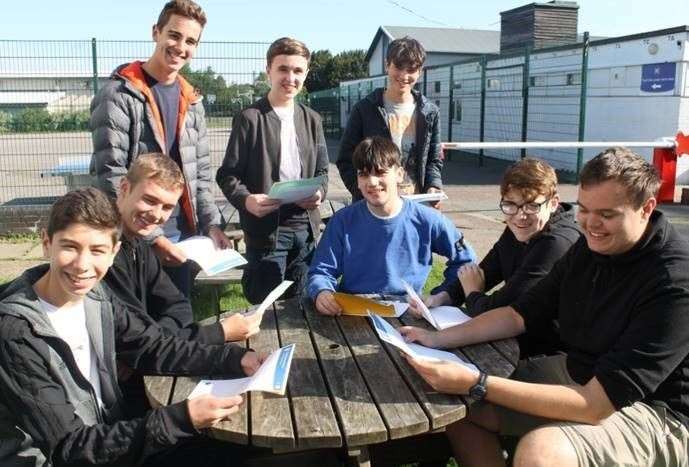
point(315, 424)
point(271, 418)
point(360, 420)
point(158, 390)
point(441, 409)
point(397, 405)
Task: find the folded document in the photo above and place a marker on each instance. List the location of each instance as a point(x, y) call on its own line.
point(270, 377)
point(441, 317)
point(295, 190)
point(212, 260)
point(390, 335)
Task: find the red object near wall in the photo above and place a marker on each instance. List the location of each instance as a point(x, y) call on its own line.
point(665, 160)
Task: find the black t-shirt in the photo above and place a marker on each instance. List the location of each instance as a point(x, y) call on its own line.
point(623, 319)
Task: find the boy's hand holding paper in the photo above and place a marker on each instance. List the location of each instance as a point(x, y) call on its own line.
point(390, 335)
point(271, 377)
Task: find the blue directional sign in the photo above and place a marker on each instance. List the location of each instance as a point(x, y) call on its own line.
point(658, 77)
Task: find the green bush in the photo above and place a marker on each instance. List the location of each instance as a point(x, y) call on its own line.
point(5, 122)
point(36, 120)
point(31, 120)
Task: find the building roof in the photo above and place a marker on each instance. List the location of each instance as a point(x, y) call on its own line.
point(443, 40)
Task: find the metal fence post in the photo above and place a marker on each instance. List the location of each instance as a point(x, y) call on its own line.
point(451, 104)
point(582, 101)
point(94, 61)
point(425, 82)
point(482, 126)
point(525, 98)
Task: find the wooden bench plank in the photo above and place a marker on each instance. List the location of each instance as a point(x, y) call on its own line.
point(442, 409)
point(397, 405)
point(158, 390)
point(271, 419)
point(359, 418)
point(315, 424)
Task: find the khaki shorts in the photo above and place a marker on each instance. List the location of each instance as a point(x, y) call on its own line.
point(638, 435)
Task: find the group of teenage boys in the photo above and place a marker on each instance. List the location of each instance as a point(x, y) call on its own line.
point(605, 298)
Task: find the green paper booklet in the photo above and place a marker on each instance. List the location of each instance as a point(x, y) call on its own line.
point(295, 190)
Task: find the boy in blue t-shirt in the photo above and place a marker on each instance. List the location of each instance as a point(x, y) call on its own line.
point(378, 242)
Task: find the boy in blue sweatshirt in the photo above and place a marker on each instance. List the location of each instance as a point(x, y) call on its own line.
point(376, 243)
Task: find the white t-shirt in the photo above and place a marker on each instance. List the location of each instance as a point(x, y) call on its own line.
point(69, 323)
point(290, 163)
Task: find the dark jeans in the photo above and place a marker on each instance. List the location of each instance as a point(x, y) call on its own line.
point(267, 268)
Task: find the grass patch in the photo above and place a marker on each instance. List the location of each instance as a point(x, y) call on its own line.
point(203, 300)
point(20, 237)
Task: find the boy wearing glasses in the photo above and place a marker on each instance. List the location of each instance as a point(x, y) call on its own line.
point(621, 295)
point(376, 243)
point(539, 231)
point(403, 115)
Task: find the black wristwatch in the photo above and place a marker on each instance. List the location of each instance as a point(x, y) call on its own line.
point(478, 390)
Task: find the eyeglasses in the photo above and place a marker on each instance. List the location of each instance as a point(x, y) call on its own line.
point(510, 208)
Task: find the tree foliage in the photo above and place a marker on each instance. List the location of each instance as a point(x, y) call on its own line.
point(327, 71)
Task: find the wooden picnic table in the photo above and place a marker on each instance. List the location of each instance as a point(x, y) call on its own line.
point(346, 388)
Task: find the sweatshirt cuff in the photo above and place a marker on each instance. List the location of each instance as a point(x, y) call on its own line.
point(176, 419)
point(233, 360)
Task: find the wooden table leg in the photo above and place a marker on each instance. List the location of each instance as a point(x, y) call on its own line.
point(358, 457)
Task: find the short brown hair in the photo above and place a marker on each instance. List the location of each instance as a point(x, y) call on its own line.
point(158, 168)
point(88, 206)
point(638, 177)
point(185, 8)
point(376, 154)
point(531, 177)
point(406, 53)
point(287, 46)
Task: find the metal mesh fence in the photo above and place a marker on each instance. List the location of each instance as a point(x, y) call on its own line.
point(532, 96)
point(46, 88)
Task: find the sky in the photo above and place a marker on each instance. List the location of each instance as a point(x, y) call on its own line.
point(322, 24)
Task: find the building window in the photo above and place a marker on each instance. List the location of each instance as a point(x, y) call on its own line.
point(493, 83)
point(573, 79)
point(437, 86)
point(458, 111)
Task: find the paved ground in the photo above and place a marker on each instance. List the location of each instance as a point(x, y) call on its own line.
point(473, 198)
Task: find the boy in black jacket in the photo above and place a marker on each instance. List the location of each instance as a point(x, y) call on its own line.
point(621, 295)
point(147, 196)
point(60, 333)
point(276, 139)
point(540, 229)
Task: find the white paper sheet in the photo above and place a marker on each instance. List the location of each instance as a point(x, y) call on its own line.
point(448, 316)
point(440, 317)
point(426, 197)
point(202, 251)
point(271, 377)
point(390, 335)
point(422, 306)
point(295, 190)
point(272, 296)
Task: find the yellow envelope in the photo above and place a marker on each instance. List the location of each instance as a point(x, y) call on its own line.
point(358, 306)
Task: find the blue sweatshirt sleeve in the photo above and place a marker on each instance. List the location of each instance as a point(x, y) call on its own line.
point(326, 266)
point(450, 242)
